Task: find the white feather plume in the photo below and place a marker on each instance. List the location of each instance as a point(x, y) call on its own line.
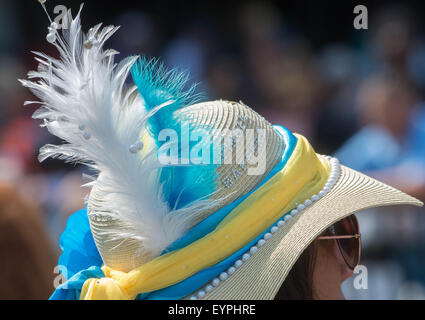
point(84, 103)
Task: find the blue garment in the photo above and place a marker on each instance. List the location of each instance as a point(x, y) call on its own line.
point(371, 148)
point(79, 250)
point(71, 289)
point(82, 260)
point(374, 148)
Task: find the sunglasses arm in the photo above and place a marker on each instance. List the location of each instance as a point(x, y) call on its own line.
point(356, 236)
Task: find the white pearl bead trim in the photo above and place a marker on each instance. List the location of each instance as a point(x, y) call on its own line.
point(134, 148)
point(332, 179)
point(51, 36)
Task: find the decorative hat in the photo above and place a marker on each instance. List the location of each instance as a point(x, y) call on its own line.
point(188, 199)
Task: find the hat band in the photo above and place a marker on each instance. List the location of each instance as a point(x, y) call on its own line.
point(304, 175)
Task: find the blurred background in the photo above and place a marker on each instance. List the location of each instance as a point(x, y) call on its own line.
point(358, 94)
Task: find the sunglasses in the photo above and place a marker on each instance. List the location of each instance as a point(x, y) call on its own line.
point(347, 235)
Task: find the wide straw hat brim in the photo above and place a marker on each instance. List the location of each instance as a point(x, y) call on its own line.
point(261, 276)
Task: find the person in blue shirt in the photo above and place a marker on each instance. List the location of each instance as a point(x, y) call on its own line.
point(391, 144)
point(391, 147)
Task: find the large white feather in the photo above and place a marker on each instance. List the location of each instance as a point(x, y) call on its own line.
point(84, 103)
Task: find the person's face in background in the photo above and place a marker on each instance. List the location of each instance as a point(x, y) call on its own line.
point(393, 40)
point(387, 104)
point(330, 272)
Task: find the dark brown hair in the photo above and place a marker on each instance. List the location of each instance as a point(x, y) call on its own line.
point(26, 256)
point(298, 284)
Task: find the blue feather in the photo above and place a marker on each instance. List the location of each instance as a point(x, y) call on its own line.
point(158, 85)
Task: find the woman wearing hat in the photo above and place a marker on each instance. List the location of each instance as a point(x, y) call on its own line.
point(190, 199)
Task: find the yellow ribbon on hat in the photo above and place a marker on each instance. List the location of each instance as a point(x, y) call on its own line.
point(303, 176)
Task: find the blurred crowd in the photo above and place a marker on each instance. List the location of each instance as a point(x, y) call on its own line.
point(360, 99)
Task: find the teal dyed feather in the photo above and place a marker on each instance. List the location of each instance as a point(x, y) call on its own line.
point(157, 85)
